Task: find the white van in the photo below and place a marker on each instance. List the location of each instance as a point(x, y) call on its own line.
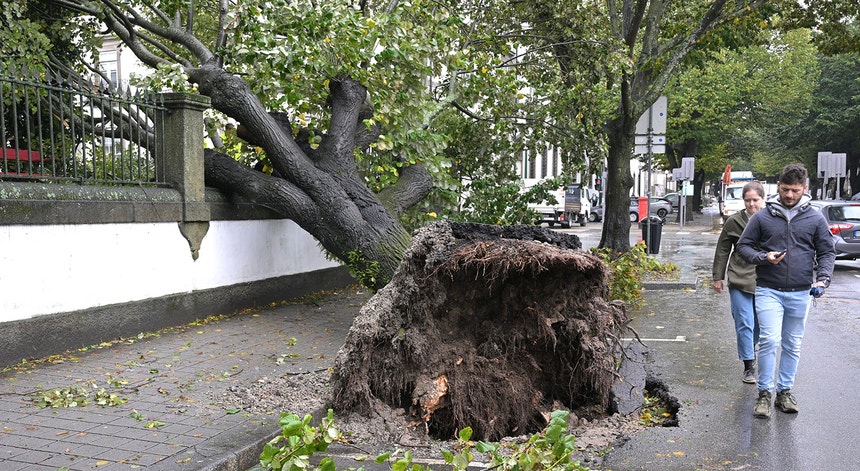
point(733, 199)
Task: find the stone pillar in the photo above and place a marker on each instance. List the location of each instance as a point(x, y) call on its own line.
point(183, 147)
point(183, 162)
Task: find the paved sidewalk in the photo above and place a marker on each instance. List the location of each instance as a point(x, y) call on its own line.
point(172, 420)
point(172, 382)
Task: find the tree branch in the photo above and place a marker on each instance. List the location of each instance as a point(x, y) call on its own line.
point(224, 173)
point(127, 35)
point(173, 33)
point(221, 39)
point(414, 184)
point(633, 16)
point(655, 85)
point(348, 98)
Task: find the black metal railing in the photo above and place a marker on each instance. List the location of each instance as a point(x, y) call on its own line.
point(69, 129)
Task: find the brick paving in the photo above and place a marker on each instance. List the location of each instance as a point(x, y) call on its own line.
point(172, 419)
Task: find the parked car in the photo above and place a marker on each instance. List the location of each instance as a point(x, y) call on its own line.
point(674, 198)
point(843, 217)
point(596, 214)
point(659, 207)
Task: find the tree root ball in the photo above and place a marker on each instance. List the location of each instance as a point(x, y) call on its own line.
point(487, 327)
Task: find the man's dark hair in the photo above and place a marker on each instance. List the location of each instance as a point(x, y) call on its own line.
point(793, 174)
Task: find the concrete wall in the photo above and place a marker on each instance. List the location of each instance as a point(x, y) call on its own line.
point(64, 287)
point(60, 268)
point(80, 265)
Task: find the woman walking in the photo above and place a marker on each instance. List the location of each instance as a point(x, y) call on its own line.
point(741, 278)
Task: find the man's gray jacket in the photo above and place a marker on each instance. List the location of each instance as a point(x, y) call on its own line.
point(802, 232)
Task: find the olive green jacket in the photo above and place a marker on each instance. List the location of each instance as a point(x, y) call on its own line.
point(741, 275)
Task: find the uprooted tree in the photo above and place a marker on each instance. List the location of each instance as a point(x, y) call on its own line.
point(296, 76)
point(488, 327)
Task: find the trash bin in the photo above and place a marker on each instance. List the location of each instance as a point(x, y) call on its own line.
point(652, 239)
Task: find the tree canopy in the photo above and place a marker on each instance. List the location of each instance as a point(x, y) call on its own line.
point(729, 107)
point(370, 117)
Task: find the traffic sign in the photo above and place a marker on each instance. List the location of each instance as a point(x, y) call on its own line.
point(654, 118)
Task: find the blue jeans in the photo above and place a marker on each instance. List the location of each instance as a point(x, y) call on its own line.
point(782, 319)
point(746, 324)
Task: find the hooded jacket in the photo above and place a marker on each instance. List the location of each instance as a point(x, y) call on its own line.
point(802, 232)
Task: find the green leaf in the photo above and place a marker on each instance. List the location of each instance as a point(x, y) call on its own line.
point(327, 464)
point(484, 447)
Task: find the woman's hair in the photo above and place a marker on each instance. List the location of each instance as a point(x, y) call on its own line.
point(754, 186)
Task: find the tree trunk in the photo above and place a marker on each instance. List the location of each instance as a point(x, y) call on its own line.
point(619, 181)
point(320, 189)
point(698, 185)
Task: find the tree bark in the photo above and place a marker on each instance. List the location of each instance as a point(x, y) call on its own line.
point(616, 224)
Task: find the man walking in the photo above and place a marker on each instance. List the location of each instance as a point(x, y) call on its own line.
point(790, 244)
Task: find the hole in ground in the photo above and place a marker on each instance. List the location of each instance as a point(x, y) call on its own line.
point(660, 408)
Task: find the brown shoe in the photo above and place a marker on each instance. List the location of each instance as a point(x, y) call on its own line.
point(762, 405)
point(785, 402)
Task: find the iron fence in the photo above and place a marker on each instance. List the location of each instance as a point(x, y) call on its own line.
point(65, 128)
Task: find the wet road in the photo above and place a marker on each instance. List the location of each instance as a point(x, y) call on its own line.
point(716, 428)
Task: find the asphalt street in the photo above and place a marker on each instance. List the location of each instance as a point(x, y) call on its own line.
point(716, 428)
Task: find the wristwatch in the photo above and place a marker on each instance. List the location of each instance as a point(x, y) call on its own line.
point(826, 282)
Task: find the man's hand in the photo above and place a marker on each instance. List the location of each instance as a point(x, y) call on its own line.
point(775, 257)
point(718, 286)
point(817, 290)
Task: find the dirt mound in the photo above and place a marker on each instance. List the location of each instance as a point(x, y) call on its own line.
point(484, 326)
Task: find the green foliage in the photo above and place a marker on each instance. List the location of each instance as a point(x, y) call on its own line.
point(629, 269)
point(731, 102)
point(835, 23)
point(365, 270)
point(126, 163)
point(315, 43)
point(233, 145)
point(496, 202)
point(34, 33)
point(297, 442)
point(551, 449)
point(833, 119)
point(165, 78)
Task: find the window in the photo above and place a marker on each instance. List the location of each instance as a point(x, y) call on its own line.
point(844, 213)
point(109, 66)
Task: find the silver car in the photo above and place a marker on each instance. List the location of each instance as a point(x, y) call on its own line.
point(659, 207)
point(843, 217)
